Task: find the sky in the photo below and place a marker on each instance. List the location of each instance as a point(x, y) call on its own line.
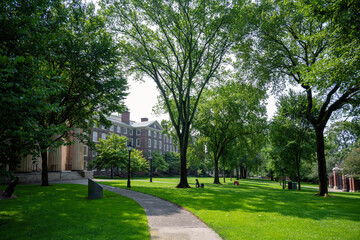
point(143, 97)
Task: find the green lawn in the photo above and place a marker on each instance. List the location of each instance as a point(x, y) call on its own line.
point(63, 211)
point(261, 209)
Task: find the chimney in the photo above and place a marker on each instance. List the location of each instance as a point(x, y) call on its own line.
point(144, 119)
point(125, 117)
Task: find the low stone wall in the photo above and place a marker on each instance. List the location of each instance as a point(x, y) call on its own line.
point(35, 177)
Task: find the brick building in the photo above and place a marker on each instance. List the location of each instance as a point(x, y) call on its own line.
point(70, 161)
point(145, 136)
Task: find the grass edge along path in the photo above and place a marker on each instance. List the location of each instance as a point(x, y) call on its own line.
point(63, 211)
point(262, 210)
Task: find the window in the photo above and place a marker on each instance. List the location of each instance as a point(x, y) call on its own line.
point(167, 148)
point(149, 133)
point(125, 130)
point(111, 128)
point(93, 153)
point(138, 132)
point(103, 135)
point(155, 134)
point(132, 141)
point(155, 144)
point(95, 137)
point(85, 151)
point(118, 128)
point(131, 132)
point(149, 143)
point(165, 139)
point(160, 145)
point(138, 142)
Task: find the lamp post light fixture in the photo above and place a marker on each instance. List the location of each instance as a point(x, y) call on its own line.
point(129, 147)
point(151, 172)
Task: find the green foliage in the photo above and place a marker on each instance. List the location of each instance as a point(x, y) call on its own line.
point(292, 137)
point(113, 152)
point(158, 162)
point(293, 45)
point(227, 114)
point(173, 161)
point(58, 69)
point(118, 217)
point(177, 47)
point(351, 163)
point(341, 138)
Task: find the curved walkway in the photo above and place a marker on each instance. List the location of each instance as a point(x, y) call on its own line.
point(166, 220)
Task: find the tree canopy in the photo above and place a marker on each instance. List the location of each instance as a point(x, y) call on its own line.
point(180, 45)
point(230, 112)
point(60, 71)
point(112, 153)
point(291, 44)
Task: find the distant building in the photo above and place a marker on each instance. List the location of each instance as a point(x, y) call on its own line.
point(69, 162)
point(145, 136)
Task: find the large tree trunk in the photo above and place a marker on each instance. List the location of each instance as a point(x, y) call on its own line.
point(237, 173)
point(44, 166)
point(320, 150)
point(183, 170)
point(242, 172)
point(216, 171)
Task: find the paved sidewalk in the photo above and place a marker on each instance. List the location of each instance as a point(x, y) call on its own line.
point(166, 220)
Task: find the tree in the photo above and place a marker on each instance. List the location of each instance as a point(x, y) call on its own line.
point(180, 45)
point(226, 113)
point(173, 161)
point(351, 164)
point(291, 136)
point(79, 76)
point(112, 152)
point(291, 44)
point(22, 76)
point(158, 162)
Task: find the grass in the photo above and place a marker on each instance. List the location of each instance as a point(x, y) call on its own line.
point(63, 211)
point(261, 209)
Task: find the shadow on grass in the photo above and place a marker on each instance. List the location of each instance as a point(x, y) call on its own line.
point(257, 197)
point(64, 212)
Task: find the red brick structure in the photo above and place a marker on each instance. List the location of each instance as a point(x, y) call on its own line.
point(354, 184)
point(145, 136)
point(338, 180)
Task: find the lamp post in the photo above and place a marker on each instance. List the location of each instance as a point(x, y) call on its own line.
point(129, 149)
point(151, 173)
point(283, 169)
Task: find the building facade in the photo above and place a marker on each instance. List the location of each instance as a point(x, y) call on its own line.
point(70, 162)
point(146, 136)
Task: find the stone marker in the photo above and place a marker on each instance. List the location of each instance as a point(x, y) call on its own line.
point(95, 191)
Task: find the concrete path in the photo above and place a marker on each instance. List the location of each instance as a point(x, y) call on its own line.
point(166, 220)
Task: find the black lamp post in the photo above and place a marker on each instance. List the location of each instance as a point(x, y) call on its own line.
point(283, 169)
point(151, 173)
point(129, 149)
